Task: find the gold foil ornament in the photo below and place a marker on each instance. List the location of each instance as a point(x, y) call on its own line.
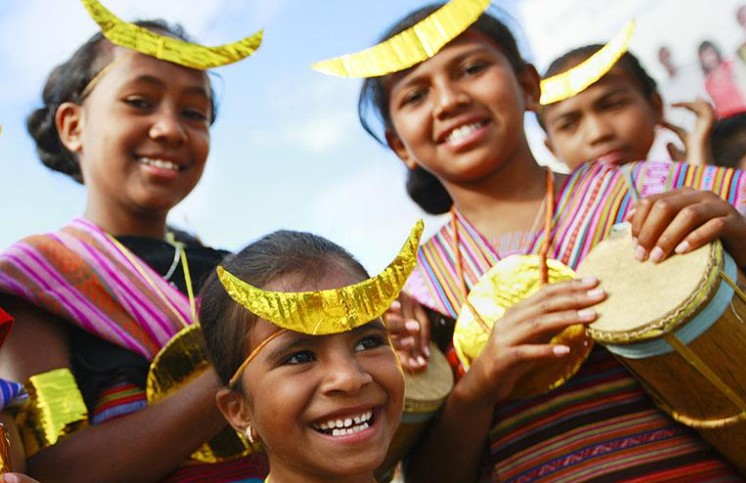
point(410, 47)
point(195, 56)
point(328, 311)
point(508, 282)
point(55, 409)
point(577, 79)
point(182, 359)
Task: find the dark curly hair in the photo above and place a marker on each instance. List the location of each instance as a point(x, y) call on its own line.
point(373, 103)
point(66, 83)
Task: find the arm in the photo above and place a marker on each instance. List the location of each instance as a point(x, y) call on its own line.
point(144, 446)
point(453, 447)
point(684, 219)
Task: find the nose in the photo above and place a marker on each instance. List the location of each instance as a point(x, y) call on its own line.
point(345, 373)
point(167, 127)
point(449, 98)
point(598, 129)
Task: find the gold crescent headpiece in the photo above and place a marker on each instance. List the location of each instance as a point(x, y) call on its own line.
point(412, 46)
point(328, 311)
point(574, 81)
point(195, 56)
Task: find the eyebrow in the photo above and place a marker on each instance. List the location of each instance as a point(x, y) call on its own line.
point(158, 82)
point(403, 80)
point(276, 353)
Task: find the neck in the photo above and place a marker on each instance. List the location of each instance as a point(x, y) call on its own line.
point(117, 222)
point(504, 202)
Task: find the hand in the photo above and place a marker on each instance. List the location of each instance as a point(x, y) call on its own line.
point(697, 148)
point(410, 332)
point(520, 337)
point(684, 219)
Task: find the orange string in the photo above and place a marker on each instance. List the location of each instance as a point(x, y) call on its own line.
point(543, 251)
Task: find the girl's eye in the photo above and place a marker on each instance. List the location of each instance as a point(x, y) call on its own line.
point(195, 115)
point(138, 102)
point(300, 357)
point(414, 97)
point(474, 68)
point(370, 342)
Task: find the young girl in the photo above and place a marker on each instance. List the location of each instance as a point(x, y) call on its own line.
point(97, 300)
point(456, 118)
point(615, 120)
point(293, 328)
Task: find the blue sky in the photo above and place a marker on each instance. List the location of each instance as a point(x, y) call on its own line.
point(287, 149)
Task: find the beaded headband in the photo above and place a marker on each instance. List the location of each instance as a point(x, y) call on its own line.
point(195, 56)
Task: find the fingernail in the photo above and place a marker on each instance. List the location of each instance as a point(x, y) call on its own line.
point(421, 361)
point(560, 350)
point(682, 247)
point(640, 253)
point(395, 305)
point(426, 350)
point(8, 478)
point(634, 241)
point(656, 255)
point(412, 326)
point(596, 293)
point(586, 314)
point(588, 280)
point(413, 362)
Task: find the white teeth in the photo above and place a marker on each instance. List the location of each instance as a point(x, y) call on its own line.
point(160, 163)
point(350, 425)
point(463, 131)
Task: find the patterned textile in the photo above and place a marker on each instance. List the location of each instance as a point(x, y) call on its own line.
point(80, 275)
point(600, 425)
point(84, 277)
point(11, 393)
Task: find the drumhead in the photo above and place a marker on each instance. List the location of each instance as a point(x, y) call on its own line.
point(425, 391)
point(646, 299)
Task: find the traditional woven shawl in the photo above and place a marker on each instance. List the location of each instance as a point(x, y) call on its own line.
point(80, 275)
point(593, 199)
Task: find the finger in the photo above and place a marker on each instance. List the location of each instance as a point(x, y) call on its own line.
point(703, 235)
point(410, 364)
point(653, 214)
point(674, 152)
point(425, 330)
point(541, 329)
point(680, 132)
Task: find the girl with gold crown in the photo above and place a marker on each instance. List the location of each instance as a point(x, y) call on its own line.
point(537, 402)
point(129, 116)
point(293, 327)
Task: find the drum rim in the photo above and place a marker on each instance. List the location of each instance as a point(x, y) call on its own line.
point(679, 315)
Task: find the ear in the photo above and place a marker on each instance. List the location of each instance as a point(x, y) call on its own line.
point(656, 102)
point(69, 122)
point(235, 409)
point(530, 81)
point(398, 147)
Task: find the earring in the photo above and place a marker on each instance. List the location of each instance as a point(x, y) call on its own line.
point(250, 434)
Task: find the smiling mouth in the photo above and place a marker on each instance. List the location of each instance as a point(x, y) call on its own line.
point(160, 164)
point(347, 425)
point(463, 132)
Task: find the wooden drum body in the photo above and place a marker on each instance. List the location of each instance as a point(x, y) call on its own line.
point(679, 327)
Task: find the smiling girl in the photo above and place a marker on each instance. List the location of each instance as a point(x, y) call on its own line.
point(97, 300)
point(293, 327)
point(452, 110)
